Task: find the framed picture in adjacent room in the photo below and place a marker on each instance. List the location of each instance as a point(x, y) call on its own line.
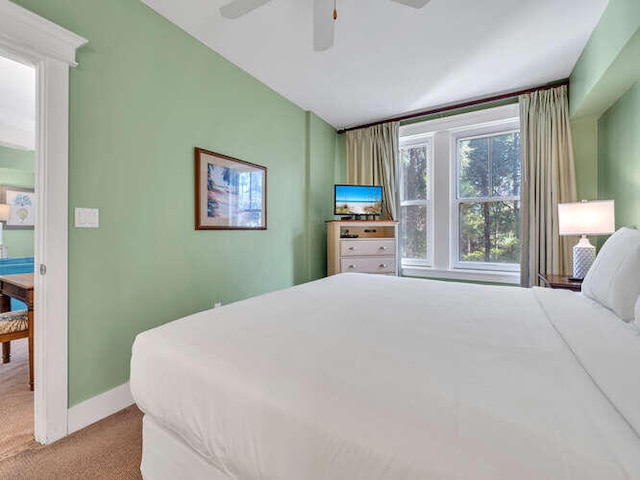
point(22, 203)
point(231, 194)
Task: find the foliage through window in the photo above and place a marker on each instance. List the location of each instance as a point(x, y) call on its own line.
point(415, 173)
point(459, 192)
point(488, 198)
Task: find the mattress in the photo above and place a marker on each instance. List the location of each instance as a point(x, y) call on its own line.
point(370, 377)
point(166, 456)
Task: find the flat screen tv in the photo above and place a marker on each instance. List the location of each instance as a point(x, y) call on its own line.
point(357, 200)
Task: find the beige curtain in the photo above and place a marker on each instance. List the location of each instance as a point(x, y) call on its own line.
point(371, 160)
point(548, 178)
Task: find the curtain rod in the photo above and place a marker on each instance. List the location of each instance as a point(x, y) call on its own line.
point(458, 106)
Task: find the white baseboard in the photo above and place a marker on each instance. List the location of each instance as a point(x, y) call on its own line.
point(98, 407)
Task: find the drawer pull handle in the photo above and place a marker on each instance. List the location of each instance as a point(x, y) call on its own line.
point(383, 265)
point(352, 266)
point(352, 248)
point(382, 248)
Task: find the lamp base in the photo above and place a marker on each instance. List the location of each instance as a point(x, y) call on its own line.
point(584, 254)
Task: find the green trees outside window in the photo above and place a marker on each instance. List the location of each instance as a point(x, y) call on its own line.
point(485, 204)
point(489, 198)
point(415, 168)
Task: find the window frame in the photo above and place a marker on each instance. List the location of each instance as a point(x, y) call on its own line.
point(477, 131)
point(426, 139)
point(445, 132)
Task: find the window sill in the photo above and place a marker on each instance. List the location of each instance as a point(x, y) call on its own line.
point(484, 276)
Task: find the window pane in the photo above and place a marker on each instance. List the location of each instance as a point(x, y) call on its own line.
point(414, 161)
point(413, 240)
point(473, 167)
point(490, 232)
point(505, 165)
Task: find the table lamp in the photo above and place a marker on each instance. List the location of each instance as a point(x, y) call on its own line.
point(5, 213)
point(585, 218)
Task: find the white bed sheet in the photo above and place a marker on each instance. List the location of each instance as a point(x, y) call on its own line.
point(369, 377)
point(165, 456)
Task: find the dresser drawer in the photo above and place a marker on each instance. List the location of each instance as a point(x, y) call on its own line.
point(368, 264)
point(349, 248)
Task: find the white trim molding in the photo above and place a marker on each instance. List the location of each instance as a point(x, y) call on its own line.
point(28, 34)
point(483, 276)
point(99, 407)
point(26, 37)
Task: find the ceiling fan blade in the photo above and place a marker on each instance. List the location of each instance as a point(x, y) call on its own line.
point(322, 25)
point(237, 8)
point(413, 3)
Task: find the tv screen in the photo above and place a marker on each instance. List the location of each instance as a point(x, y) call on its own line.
point(358, 200)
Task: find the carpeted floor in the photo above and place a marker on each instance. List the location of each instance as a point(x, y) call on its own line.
point(16, 413)
point(109, 449)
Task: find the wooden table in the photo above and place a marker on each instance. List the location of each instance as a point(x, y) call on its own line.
point(20, 287)
point(560, 281)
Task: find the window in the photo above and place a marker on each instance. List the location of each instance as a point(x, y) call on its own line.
point(460, 196)
point(487, 210)
point(415, 201)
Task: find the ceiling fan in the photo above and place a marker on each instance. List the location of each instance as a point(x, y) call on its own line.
point(324, 15)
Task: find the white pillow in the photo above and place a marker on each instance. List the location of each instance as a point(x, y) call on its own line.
point(614, 277)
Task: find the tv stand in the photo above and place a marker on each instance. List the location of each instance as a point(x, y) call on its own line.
point(364, 246)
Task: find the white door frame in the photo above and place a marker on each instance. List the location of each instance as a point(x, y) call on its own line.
point(29, 38)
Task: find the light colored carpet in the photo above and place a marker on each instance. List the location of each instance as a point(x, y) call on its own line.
point(16, 401)
point(109, 449)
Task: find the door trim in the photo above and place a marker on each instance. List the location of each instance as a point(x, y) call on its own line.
point(51, 49)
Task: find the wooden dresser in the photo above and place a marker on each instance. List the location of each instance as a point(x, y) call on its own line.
point(362, 246)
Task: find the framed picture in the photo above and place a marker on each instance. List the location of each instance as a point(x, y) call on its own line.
point(23, 207)
point(230, 194)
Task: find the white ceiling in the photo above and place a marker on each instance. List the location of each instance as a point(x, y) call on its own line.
point(17, 105)
point(389, 59)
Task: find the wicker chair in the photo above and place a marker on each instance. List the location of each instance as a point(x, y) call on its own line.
point(13, 326)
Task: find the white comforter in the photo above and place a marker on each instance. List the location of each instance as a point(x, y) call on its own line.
point(364, 377)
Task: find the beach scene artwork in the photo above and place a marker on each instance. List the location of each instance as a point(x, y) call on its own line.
point(353, 201)
point(234, 196)
point(231, 194)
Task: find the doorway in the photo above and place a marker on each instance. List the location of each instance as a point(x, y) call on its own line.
point(51, 49)
point(17, 221)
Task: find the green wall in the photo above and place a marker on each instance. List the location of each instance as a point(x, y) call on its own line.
point(605, 106)
point(322, 144)
point(585, 144)
point(619, 157)
point(145, 93)
point(17, 170)
point(609, 62)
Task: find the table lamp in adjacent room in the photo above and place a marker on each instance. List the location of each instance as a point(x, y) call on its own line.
point(585, 218)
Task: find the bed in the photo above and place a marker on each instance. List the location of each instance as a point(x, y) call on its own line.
point(371, 377)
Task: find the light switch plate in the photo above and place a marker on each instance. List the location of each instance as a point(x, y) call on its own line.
point(87, 217)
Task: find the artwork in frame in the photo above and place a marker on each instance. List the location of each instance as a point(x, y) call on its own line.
point(231, 194)
point(23, 207)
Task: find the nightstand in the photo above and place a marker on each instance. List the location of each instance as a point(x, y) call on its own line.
point(560, 281)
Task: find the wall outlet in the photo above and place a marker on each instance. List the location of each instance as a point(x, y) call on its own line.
point(217, 305)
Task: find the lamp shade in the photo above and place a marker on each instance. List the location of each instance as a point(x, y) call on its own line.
point(587, 218)
point(5, 212)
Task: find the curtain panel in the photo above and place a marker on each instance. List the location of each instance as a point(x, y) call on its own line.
point(371, 160)
point(548, 178)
